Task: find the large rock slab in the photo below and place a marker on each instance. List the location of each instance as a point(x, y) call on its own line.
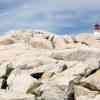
point(74, 73)
point(16, 96)
point(89, 40)
point(33, 61)
point(51, 92)
point(5, 69)
point(65, 80)
point(49, 70)
point(6, 40)
point(92, 81)
point(82, 93)
point(22, 35)
point(76, 54)
point(53, 67)
point(21, 82)
point(41, 43)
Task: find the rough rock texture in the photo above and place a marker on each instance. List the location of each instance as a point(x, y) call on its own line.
point(21, 82)
point(82, 93)
point(39, 65)
point(59, 43)
point(41, 43)
point(6, 40)
point(76, 54)
point(16, 96)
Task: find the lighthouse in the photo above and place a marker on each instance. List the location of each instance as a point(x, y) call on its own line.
point(97, 31)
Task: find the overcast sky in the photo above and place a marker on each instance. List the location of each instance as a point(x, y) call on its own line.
point(59, 16)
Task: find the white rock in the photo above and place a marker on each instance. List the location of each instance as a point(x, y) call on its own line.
point(16, 96)
point(92, 80)
point(82, 93)
point(41, 43)
point(5, 69)
point(76, 54)
point(21, 82)
point(52, 92)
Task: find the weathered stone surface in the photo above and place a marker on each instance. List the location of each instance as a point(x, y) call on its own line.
point(52, 92)
point(51, 37)
point(68, 39)
point(21, 82)
point(5, 69)
point(16, 96)
point(82, 93)
point(72, 75)
point(42, 66)
point(86, 38)
point(59, 43)
point(89, 40)
point(76, 54)
point(53, 67)
point(41, 43)
point(43, 34)
point(92, 81)
point(6, 40)
point(22, 35)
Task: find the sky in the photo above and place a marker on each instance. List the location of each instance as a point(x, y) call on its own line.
point(57, 16)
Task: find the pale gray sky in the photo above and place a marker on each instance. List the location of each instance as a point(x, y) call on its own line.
point(58, 16)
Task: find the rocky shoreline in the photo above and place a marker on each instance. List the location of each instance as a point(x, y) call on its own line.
point(43, 66)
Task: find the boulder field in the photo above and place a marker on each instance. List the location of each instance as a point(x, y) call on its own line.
point(43, 66)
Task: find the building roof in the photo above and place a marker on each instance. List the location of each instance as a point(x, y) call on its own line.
point(97, 27)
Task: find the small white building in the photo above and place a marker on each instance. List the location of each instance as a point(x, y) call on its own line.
point(97, 31)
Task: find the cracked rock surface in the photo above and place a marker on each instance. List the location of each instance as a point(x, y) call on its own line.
point(43, 66)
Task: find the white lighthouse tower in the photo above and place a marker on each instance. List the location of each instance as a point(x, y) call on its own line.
point(97, 31)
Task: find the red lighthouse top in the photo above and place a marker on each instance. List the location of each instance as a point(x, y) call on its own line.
point(97, 27)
